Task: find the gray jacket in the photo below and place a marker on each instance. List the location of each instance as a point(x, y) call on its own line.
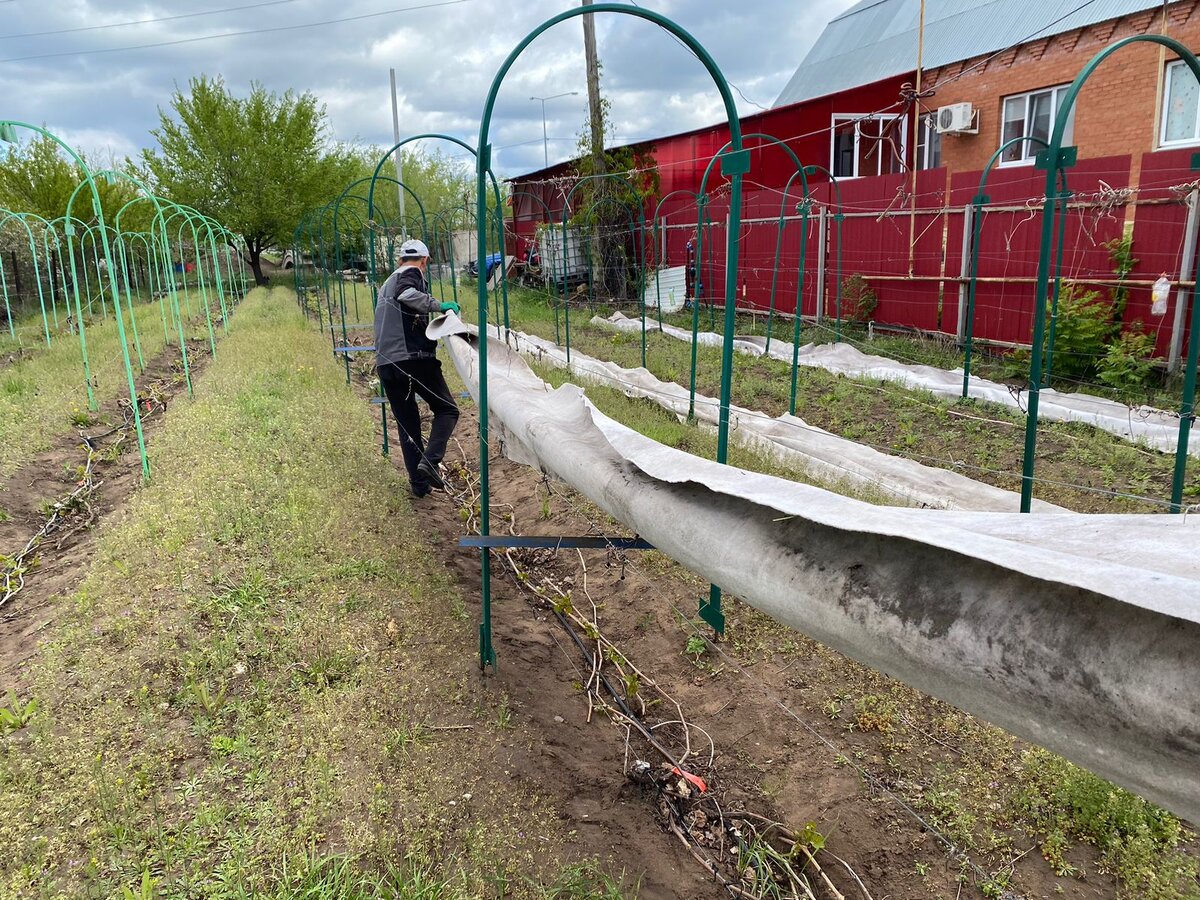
point(401, 315)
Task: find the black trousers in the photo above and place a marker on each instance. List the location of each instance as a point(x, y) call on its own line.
point(403, 382)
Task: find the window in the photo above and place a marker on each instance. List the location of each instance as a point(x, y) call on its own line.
point(1032, 115)
point(929, 142)
point(1181, 101)
point(866, 145)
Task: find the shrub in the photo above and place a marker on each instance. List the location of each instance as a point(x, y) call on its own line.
point(1082, 333)
point(859, 300)
point(1128, 364)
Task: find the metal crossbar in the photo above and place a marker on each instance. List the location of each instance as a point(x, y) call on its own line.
point(557, 543)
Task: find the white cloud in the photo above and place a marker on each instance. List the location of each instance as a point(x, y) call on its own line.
point(445, 58)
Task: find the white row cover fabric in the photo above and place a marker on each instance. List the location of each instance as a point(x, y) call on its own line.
point(1146, 425)
point(790, 439)
point(1077, 632)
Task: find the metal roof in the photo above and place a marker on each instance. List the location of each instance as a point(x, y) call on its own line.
point(876, 39)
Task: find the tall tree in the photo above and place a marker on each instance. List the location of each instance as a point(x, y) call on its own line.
point(441, 182)
point(254, 163)
point(37, 177)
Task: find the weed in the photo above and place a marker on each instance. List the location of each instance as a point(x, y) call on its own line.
point(859, 300)
point(995, 886)
point(876, 713)
point(811, 837)
point(504, 716)
point(16, 715)
point(325, 667)
point(1128, 362)
point(696, 647)
point(587, 881)
point(247, 597)
point(401, 739)
point(145, 889)
point(1137, 840)
point(200, 693)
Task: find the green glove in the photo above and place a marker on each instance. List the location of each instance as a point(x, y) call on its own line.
point(451, 306)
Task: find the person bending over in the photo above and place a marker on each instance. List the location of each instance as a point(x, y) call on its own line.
point(408, 367)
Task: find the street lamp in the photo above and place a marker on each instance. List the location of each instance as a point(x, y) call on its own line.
point(545, 140)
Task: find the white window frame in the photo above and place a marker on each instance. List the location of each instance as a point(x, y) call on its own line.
point(1030, 150)
point(1162, 128)
point(927, 123)
point(858, 118)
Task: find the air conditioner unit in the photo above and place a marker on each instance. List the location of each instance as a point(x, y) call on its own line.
point(957, 118)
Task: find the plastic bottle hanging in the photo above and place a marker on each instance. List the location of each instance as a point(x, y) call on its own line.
point(1159, 295)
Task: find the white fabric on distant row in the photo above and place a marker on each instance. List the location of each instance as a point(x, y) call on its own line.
point(1155, 428)
point(789, 439)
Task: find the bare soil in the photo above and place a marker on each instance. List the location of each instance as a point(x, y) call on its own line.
point(66, 555)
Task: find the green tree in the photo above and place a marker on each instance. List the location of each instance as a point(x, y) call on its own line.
point(36, 177)
point(606, 208)
point(444, 182)
point(256, 163)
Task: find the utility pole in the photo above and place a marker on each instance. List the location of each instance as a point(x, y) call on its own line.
point(545, 139)
point(593, 88)
point(596, 116)
point(397, 159)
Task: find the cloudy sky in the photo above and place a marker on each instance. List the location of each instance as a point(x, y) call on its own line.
point(77, 66)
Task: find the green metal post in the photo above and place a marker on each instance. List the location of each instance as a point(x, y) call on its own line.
point(5, 215)
point(1058, 255)
point(979, 201)
point(159, 236)
point(129, 300)
point(1054, 159)
point(734, 168)
point(658, 243)
point(98, 210)
point(805, 210)
point(702, 216)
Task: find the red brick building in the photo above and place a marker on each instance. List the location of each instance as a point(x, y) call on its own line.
point(1139, 101)
point(908, 149)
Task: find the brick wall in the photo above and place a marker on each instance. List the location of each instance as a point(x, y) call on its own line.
point(1116, 113)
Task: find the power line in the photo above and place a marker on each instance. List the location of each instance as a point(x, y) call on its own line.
point(207, 12)
point(210, 37)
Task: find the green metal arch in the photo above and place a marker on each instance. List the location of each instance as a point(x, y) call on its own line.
point(735, 167)
point(1054, 159)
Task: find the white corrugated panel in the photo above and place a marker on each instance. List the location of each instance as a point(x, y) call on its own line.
point(669, 285)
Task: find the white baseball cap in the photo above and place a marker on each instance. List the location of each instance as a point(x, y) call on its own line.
point(414, 249)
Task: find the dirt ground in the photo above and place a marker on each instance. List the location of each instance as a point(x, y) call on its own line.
point(774, 753)
point(65, 556)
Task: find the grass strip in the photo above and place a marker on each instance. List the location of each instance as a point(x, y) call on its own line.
point(1079, 467)
point(265, 687)
point(43, 395)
